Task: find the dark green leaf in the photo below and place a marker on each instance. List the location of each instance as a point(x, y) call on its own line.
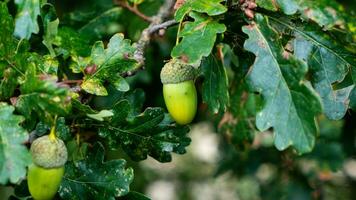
point(42, 98)
point(14, 156)
point(149, 133)
point(215, 86)
point(93, 178)
point(290, 103)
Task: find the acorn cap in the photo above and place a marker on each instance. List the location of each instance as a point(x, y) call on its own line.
point(49, 153)
point(175, 71)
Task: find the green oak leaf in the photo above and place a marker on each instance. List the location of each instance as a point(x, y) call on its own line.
point(41, 98)
point(210, 7)
point(14, 156)
point(198, 38)
point(327, 13)
point(149, 133)
point(116, 59)
point(26, 18)
point(329, 63)
point(7, 43)
point(215, 85)
point(93, 178)
point(291, 105)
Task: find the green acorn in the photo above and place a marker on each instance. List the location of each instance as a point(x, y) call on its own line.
point(49, 155)
point(179, 91)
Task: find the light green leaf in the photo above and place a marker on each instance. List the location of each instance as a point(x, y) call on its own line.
point(117, 58)
point(198, 38)
point(94, 86)
point(26, 18)
point(101, 115)
point(210, 7)
point(14, 156)
point(291, 105)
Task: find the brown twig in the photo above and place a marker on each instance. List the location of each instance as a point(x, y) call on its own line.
point(133, 9)
point(156, 25)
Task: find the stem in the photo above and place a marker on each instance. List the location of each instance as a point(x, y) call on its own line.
point(133, 9)
point(179, 29)
point(156, 24)
point(52, 134)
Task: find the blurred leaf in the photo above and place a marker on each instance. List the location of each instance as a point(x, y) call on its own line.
point(136, 1)
point(329, 155)
point(290, 103)
point(327, 13)
point(134, 196)
point(215, 86)
point(7, 43)
point(210, 7)
point(26, 18)
point(116, 59)
point(76, 152)
point(149, 133)
point(101, 115)
point(62, 130)
point(50, 23)
point(93, 178)
point(14, 156)
point(97, 27)
point(41, 98)
point(70, 43)
point(198, 38)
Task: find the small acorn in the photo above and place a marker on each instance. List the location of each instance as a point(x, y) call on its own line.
point(49, 155)
point(179, 91)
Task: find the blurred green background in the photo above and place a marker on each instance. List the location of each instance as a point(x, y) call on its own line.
point(213, 169)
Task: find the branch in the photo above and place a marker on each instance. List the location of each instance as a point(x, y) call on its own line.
point(156, 25)
point(133, 9)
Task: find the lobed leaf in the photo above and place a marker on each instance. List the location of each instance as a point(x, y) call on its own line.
point(210, 7)
point(92, 178)
point(326, 13)
point(198, 38)
point(14, 156)
point(26, 18)
point(111, 62)
point(291, 105)
point(149, 133)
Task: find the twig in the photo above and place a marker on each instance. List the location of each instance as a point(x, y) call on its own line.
point(133, 9)
point(156, 24)
point(164, 25)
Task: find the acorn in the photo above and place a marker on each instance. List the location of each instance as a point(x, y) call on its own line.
point(49, 155)
point(179, 91)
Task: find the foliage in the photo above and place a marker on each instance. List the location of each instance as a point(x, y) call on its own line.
point(286, 68)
